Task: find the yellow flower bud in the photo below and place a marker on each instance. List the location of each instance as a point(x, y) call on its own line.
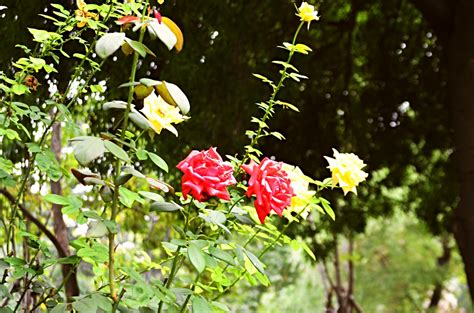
point(307, 13)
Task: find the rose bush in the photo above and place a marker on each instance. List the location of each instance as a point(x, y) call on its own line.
point(201, 255)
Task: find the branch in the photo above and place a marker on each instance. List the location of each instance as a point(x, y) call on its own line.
point(356, 305)
point(35, 221)
point(351, 266)
point(331, 289)
point(339, 288)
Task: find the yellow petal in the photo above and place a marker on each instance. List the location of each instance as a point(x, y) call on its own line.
point(80, 4)
point(173, 95)
point(176, 31)
point(81, 24)
point(165, 94)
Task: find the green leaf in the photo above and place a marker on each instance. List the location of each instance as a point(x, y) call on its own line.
point(181, 292)
point(308, 250)
point(287, 105)
point(164, 207)
point(97, 88)
point(142, 154)
point(196, 257)
point(73, 259)
point(108, 44)
point(40, 35)
point(97, 253)
point(158, 161)
point(49, 69)
point(123, 179)
point(127, 197)
point(116, 150)
point(152, 196)
point(19, 89)
point(16, 262)
point(286, 65)
point(327, 207)
point(139, 120)
point(111, 226)
point(57, 199)
point(255, 261)
point(60, 308)
point(242, 218)
point(85, 305)
point(220, 306)
point(300, 48)
point(93, 181)
point(215, 217)
point(263, 78)
point(48, 164)
point(278, 135)
point(132, 171)
point(97, 229)
point(222, 255)
point(139, 47)
point(297, 77)
point(102, 302)
point(87, 149)
point(200, 305)
point(129, 84)
point(150, 82)
point(3, 266)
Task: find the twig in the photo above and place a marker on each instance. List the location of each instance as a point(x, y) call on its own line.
point(35, 221)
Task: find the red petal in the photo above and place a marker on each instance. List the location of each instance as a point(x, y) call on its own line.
point(157, 15)
point(127, 19)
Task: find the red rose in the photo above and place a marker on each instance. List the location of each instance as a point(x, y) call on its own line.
point(206, 175)
point(271, 185)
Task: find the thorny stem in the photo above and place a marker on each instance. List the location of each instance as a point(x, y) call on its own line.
point(264, 251)
point(196, 280)
point(271, 102)
point(113, 213)
point(27, 284)
point(174, 266)
point(220, 231)
point(183, 307)
point(57, 290)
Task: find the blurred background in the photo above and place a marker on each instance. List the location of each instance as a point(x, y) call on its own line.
point(388, 80)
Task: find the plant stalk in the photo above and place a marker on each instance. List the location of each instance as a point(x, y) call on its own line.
point(113, 213)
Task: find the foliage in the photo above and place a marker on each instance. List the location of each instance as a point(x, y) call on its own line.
point(395, 272)
point(132, 264)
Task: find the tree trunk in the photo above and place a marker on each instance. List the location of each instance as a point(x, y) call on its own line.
point(60, 229)
point(443, 262)
point(461, 97)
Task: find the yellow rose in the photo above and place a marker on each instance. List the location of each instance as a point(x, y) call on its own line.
point(161, 114)
point(302, 198)
point(307, 13)
point(346, 169)
point(84, 15)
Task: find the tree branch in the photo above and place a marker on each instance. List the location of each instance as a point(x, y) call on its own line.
point(60, 229)
point(35, 221)
point(337, 268)
point(350, 265)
